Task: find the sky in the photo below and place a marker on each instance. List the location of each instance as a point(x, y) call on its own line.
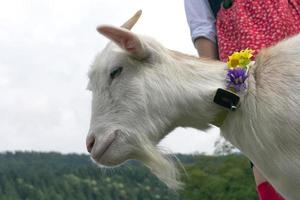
point(46, 48)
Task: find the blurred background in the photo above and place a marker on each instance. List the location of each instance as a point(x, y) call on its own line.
point(46, 47)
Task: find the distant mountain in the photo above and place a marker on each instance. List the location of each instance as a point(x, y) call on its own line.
point(54, 176)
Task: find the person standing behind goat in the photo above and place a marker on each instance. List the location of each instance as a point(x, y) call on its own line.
point(233, 25)
point(222, 27)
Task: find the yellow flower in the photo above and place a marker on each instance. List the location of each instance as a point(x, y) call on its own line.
point(234, 60)
point(245, 57)
point(240, 59)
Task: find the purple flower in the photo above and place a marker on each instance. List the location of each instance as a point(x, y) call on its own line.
point(236, 79)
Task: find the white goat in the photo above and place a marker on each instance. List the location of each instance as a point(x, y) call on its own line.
point(141, 91)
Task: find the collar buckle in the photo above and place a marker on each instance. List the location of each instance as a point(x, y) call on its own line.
point(227, 99)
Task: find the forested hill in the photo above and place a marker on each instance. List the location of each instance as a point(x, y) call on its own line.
point(53, 176)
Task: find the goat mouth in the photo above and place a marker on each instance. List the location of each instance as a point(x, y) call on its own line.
point(98, 153)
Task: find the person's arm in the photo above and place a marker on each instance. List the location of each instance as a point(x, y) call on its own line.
point(206, 48)
point(202, 27)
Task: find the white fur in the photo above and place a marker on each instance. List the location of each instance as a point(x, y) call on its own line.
point(154, 95)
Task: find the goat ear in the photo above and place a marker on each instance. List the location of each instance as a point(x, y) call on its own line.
point(125, 39)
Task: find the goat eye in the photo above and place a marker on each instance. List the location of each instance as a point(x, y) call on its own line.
point(116, 72)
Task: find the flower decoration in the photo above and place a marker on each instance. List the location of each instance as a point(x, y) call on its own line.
point(236, 79)
point(238, 64)
point(240, 59)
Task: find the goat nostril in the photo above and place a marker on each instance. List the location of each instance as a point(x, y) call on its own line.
point(90, 141)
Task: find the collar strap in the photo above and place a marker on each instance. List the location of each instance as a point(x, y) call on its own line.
point(220, 118)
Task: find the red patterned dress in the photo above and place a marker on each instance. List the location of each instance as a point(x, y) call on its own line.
point(256, 24)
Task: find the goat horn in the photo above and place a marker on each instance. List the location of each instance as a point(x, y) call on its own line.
point(131, 22)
